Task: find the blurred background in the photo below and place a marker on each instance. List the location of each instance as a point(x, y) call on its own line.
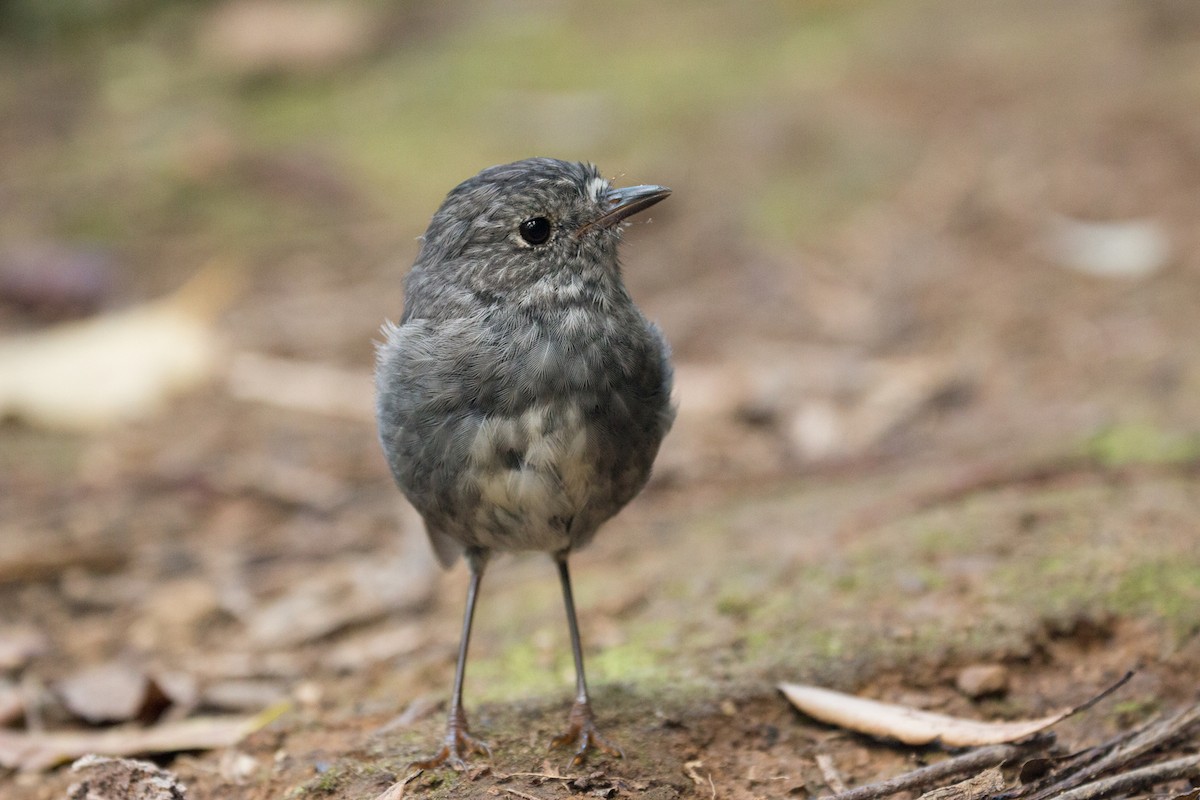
point(916, 252)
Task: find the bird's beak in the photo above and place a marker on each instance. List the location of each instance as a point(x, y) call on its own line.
point(622, 203)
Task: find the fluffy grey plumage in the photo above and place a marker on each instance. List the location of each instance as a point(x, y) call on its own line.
point(522, 397)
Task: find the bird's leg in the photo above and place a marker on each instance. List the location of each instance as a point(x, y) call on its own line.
point(581, 726)
point(459, 743)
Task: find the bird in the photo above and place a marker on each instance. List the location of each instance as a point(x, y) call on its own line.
point(522, 396)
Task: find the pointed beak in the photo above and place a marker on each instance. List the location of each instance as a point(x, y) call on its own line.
point(622, 203)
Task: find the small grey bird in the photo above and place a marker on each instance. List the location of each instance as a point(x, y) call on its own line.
point(522, 397)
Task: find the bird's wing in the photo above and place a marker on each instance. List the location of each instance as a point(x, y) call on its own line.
point(445, 548)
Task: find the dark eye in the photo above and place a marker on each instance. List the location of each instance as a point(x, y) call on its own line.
point(535, 231)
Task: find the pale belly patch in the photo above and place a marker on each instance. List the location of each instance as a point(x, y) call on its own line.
point(534, 475)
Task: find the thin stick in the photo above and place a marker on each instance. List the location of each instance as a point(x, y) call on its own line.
point(829, 771)
point(1149, 739)
point(972, 762)
point(518, 793)
point(1137, 779)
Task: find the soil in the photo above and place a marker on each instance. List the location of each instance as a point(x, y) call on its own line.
point(912, 438)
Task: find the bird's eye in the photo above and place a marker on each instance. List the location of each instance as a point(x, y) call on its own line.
point(535, 231)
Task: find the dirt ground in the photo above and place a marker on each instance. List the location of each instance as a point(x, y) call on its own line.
point(931, 274)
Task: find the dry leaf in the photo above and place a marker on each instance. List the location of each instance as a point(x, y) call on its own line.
point(34, 751)
point(244, 694)
point(285, 482)
point(101, 371)
point(20, 644)
point(356, 652)
point(905, 724)
point(303, 386)
point(12, 702)
point(341, 594)
point(398, 789)
point(112, 692)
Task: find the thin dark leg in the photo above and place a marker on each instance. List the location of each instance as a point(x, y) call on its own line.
point(459, 743)
point(581, 727)
point(464, 642)
point(564, 577)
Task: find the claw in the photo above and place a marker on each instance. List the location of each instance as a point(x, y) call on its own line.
point(581, 730)
point(458, 747)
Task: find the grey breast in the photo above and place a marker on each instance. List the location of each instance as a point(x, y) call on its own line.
point(526, 437)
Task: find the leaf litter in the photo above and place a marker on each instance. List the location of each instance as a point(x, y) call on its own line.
point(33, 751)
point(1026, 749)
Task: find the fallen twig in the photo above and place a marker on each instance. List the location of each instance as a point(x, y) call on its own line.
point(925, 777)
point(1079, 776)
point(977, 787)
point(1137, 779)
point(829, 771)
point(518, 793)
point(1125, 751)
point(691, 768)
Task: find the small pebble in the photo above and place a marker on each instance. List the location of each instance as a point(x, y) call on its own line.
point(982, 680)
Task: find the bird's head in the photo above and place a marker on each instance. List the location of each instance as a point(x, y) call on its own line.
point(516, 224)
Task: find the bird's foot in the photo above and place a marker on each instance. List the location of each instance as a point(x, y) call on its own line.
point(457, 748)
point(581, 732)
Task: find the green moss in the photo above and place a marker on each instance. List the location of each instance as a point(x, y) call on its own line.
point(517, 671)
point(1136, 709)
point(1169, 589)
point(344, 778)
point(635, 662)
point(1142, 443)
point(734, 604)
point(848, 581)
point(829, 644)
point(328, 781)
